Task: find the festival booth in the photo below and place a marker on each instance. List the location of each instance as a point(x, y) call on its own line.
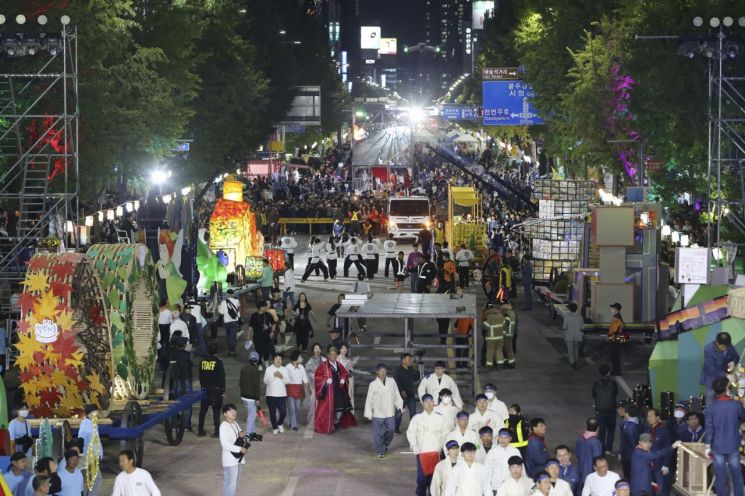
point(677, 359)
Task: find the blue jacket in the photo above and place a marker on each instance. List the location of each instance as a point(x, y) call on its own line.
point(661, 441)
point(587, 450)
point(723, 419)
point(641, 468)
point(630, 432)
point(715, 363)
point(686, 436)
point(568, 473)
point(536, 455)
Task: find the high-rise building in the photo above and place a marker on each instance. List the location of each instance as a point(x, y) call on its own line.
point(445, 28)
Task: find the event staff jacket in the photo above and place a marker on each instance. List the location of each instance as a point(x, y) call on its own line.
point(568, 473)
point(212, 373)
point(715, 363)
point(426, 432)
point(587, 448)
point(536, 454)
point(722, 420)
point(661, 439)
point(630, 432)
point(641, 468)
point(519, 431)
point(432, 385)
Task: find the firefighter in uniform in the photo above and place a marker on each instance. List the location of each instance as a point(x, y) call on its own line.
point(212, 380)
point(509, 333)
point(494, 322)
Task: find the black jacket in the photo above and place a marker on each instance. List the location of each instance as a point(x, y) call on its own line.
point(250, 382)
point(212, 373)
point(604, 394)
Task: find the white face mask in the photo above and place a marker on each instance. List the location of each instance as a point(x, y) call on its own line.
point(679, 415)
point(446, 400)
point(23, 413)
point(489, 395)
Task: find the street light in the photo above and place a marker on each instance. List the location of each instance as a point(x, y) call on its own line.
point(416, 115)
point(159, 176)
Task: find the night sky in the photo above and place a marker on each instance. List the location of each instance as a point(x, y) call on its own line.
point(402, 19)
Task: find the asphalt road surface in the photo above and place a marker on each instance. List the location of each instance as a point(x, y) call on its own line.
point(383, 146)
point(306, 463)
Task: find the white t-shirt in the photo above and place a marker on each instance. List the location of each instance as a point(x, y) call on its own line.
point(138, 483)
point(224, 310)
point(289, 281)
point(274, 385)
point(179, 325)
point(600, 486)
point(165, 317)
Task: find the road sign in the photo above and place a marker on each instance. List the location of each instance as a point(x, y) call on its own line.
point(499, 73)
point(183, 147)
point(507, 103)
point(459, 113)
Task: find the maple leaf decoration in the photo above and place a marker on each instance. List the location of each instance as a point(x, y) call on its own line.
point(39, 262)
point(50, 397)
point(47, 307)
point(94, 383)
point(27, 347)
point(65, 346)
point(26, 302)
point(60, 289)
point(36, 282)
point(63, 270)
point(65, 320)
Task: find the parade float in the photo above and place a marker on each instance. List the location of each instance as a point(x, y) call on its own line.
point(232, 227)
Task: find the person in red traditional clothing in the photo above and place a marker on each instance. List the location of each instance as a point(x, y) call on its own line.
point(334, 408)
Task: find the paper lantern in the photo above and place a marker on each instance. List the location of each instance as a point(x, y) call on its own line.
point(254, 267)
point(232, 190)
point(276, 260)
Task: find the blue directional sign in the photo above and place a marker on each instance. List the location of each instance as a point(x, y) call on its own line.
point(183, 147)
point(459, 113)
point(507, 103)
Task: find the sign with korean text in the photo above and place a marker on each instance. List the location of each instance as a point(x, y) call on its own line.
point(459, 113)
point(499, 73)
point(507, 103)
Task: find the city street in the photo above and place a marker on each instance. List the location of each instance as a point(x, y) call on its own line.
point(306, 463)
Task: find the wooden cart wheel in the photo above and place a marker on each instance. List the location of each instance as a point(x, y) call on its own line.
point(132, 417)
point(173, 425)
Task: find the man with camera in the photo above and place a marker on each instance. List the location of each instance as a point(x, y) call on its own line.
point(234, 445)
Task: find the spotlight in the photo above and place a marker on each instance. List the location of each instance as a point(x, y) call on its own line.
point(688, 49)
point(2, 19)
point(714, 22)
point(65, 20)
point(708, 49)
point(732, 49)
point(698, 21)
point(20, 19)
point(741, 22)
point(31, 43)
point(727, 21)
point(42, 19)
point(53, 44)
point(10, 45)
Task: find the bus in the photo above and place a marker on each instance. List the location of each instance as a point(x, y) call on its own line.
point(407, 216)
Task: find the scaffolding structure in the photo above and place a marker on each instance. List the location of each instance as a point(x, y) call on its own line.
point(726, 130)
point(39, 180)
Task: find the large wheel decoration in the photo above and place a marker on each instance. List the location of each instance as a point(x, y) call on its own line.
point(174, 425)
point(131, 418)
point(63, 340)
point(128, 279)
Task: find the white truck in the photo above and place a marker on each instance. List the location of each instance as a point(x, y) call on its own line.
point(407, 215)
